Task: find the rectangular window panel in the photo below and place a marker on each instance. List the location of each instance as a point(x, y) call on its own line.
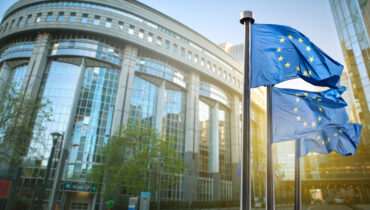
point(141, 34)
point(131, 29)
point(120, 25)
point(19, 21)
point(84, 18)
point(167, 45)
point(38, 18)
point(28, 21)
point(48, 18)
point(96, 20)
point(150, 37)
point(108, 24)
point(60, 17)
point(72, 18)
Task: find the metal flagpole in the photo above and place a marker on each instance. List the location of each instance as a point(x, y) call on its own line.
point(297, 179)
point(269, 153)
point(246, 18)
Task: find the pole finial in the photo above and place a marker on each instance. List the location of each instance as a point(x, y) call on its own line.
point(246, 16)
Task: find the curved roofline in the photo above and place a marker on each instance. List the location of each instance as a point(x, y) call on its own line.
point(146, 7)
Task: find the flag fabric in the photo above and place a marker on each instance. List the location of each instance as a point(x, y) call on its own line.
point(343, 139)
point(296, 113)
point(280, 53)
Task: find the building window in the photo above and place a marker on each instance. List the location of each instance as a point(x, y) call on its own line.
point(202, 62)
point(182, 52)
point(28, 21)
point(141, 34)
point(167, 44)
point(131, 29)
point(120, 26)
point(6, 25)
point(60, 17)
point(108, 24)
point(214, 68)
point(72, 18)
point(19, 21)
point(208, 65)
point(49, 16)
point(175, 48)
point(159, 41)
point(189, 55)
point(84, 18)
point(150, 37)
point(11, 24)
point(96, 20)
point(196, 58)
point(38, 17)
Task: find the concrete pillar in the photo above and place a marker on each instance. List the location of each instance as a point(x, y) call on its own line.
point(125, 87)
point(4, 75)
point(36, 66)
point(159, 107)
point(191, 138)
point(66, 140)
point(235, 146)
point(214, 153)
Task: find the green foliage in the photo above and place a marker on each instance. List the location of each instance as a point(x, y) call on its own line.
point(134, 159)
point(18, 123)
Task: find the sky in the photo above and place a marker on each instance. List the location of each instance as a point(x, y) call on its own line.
point(218, 20)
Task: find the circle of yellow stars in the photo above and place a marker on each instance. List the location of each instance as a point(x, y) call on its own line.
point(286, 63)
point(319, 118)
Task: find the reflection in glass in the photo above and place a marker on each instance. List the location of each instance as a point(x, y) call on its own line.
point(92, 124)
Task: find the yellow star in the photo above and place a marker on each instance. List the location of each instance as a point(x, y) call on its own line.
point(309, 72)
point(308, 48)
point(290, 37)
point(280, 58)
point(311, 59)
point(296, 94)
point(287, 65)
point(295, 109)
point(305, 94)
point(319, 99)
point(298, 118)
point(297, 99)
point(300, 40)
point(335, 134)
point(305, 73)
point(314, 97)
point(305, 124)
point(313, 124)
point(320, 109)
point(282, 39)
point(319, 118)
point(318, 137)
point(340, 131)
point(323, 142)
point(297, 68)
point(278, 49)
point(328, 139)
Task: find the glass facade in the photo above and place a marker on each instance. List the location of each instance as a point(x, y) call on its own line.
point(143, 102)
point(17, 50)
point(92, 124)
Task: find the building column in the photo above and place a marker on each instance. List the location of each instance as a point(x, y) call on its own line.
point(36, 66)
point(125, 87)
point(159, 107)
point(214, 153)
point(235, 146)
point(4, 75)
point(191, 138)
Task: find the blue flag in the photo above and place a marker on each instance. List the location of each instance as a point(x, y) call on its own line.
point(280, 53)
point(295, 113)
point(344, 140)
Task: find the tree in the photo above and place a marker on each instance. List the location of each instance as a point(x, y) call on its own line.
point(133, 161)
point(21, 119)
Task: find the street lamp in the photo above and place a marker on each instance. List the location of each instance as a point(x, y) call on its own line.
point(160, 182)
point(55, 136)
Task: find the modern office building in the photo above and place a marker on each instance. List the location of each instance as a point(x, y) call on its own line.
point(100, 63)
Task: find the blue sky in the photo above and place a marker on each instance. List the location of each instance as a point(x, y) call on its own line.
point(218, 20)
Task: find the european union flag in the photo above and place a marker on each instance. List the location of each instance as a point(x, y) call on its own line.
point(343, 139)
point(296, 113)
point(280, 53)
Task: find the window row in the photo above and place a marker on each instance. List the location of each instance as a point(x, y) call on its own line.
point(108, 22)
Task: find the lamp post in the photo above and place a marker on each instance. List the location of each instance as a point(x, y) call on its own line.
point(160, 180)
point(55, 136)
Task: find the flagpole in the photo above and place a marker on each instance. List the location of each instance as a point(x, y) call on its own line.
point(269, 153)
point(246, 18)
point(297, 180)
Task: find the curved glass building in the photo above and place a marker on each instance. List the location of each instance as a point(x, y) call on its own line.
point(101, 63)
